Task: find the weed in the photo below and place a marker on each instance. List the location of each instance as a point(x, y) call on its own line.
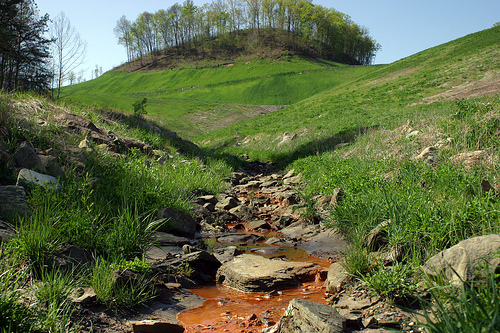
point(111, 292)
point(394, 283)
point(356, 260)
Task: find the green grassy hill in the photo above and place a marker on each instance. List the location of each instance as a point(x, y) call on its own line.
point(385, 95)
point(194, 101)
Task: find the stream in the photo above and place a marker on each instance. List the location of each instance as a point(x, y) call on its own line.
point(230, 310)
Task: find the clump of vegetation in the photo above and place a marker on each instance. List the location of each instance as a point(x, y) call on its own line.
point(140, 107)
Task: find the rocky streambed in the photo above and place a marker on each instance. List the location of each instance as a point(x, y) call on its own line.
point(253, 258)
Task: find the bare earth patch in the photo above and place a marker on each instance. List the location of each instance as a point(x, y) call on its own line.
point(488, 85)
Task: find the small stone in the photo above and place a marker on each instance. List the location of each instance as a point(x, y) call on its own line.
point(154, 326)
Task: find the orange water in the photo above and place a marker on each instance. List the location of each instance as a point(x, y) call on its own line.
point(229, 310)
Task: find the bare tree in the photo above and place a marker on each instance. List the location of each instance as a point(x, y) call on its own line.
point(69, 49)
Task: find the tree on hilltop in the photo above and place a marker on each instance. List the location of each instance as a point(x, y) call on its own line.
point(293, 24)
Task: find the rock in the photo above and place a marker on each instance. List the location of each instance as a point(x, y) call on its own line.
point(293, 180)
point(259, 224)
point(272, 240)
point(86, 145)
point(227, 203)
point(155, 326)
point(412, 134)
point(462, 261)
point(26, 157)
point(209, 198)
point(306, 316)
point(80, 124)
point(253, 273)
point(7, 231)
point(177, 222)
point(242, 212)
point(470, 159)
point(83, 295)
point(287, 138)
point(283, 222)
point(427, 155)
point(239, 238)
point(329, 202)
point(289, 174)
point(377, 237)
point(13, 202)
point(163, 238)
point(72, 256)
point(28, 177)
point(226, 253)
point(205, 265)
point(336, 279)
point(356, 304)
point(53, 168)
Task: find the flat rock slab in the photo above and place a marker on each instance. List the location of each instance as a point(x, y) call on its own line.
point(253, 273)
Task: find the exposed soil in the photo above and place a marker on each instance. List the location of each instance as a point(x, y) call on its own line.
point(487, 86)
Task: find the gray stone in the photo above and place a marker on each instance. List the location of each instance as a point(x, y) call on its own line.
point(163, 238)
point(377, 236)
point(205, 265)
point(306, 316)
point(227, 203)
point(253, 273)
point(28, 177)
point(209, 198)
point(244, 213)
point(83, 295)
point(462, 261)
point(26, 157)
point(177, 222)
point(155, 326)
point(13, 201)
point(336, 279)
point(226, 253)
point(53, 168)
point(293, 180)
point(258, 224)
point(239, 238)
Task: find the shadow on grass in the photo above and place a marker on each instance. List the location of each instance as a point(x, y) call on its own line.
point(318, 146)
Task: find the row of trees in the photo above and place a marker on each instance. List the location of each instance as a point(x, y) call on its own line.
point(24, 49)
point(36, 55)
point(296, 24)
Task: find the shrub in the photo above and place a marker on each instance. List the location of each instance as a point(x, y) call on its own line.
point(140, 107)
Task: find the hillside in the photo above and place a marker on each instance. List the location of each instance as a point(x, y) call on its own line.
point(385, 95)
point(396, 163)
point(194, 101)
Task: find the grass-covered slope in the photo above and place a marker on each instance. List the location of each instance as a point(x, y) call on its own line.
point(194, 101)
point(386, 95)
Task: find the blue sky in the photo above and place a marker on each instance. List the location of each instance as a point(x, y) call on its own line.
point(402, 27)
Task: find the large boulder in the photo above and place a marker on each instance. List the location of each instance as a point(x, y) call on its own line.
point(461, 262)
point(253, 273)
point(306, 316)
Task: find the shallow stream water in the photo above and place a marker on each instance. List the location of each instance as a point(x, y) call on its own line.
point(230, 310)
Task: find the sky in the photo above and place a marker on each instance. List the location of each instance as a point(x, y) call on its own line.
point(401, 27)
